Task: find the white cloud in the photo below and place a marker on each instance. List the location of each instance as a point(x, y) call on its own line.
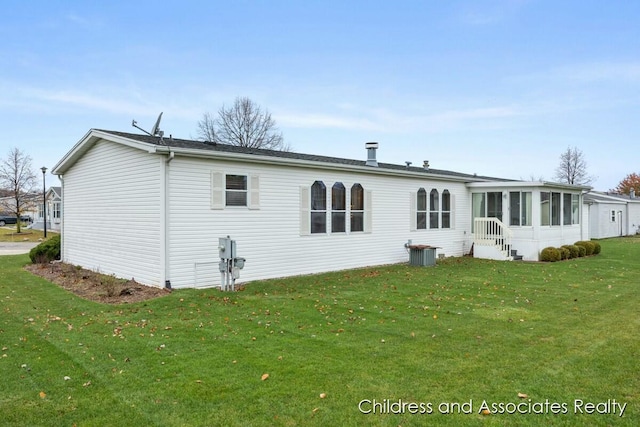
point(385, 120)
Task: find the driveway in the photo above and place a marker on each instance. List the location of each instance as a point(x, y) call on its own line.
point(16, 248)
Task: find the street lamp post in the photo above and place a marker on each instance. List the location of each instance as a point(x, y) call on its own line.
point(44, 200)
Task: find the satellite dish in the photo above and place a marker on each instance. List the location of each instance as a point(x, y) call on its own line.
point(155, 130)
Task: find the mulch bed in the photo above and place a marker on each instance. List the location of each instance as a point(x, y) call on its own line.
point(93, 286)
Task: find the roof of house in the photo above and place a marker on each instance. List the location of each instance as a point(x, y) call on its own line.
point(602, 197)
point(232, 149)
point(57, 191)
point(167, 145)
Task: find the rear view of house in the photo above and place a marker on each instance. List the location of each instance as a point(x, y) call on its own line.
point(153, 208)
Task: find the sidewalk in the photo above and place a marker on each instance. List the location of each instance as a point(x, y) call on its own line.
point(16, 248)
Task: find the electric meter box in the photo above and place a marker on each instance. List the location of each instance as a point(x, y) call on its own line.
point(226, 247)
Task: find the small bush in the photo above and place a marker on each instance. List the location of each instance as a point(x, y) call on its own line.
point(597, 248)
point(582, 251)
point(46, 251)
point(550, 254)
point(573, 251)
point(564, 253)
point(588, 245)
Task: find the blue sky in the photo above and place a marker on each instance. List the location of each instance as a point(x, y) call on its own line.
point(495, 87)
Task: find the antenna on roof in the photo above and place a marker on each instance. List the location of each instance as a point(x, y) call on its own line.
point(155, 130)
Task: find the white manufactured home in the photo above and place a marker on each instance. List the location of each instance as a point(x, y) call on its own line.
point(153, 208)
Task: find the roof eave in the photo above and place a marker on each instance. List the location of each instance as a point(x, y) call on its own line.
point(88, 141)
point(528, 184)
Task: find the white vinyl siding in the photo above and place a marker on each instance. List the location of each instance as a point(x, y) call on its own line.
point(112, 213)
point(276, 240)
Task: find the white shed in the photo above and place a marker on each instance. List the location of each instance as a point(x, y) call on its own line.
point(612, 215)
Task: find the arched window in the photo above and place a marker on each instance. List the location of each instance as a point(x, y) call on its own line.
point(421, 210)
point(338, 208)
point(446, 209)
point(434, 209)
point(318, 207)
point(357, 208)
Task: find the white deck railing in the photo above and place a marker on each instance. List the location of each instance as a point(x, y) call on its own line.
point(492, 232)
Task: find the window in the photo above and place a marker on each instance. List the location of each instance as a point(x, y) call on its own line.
point(566, 209)
point(338, 208)
point(520, 208)
point(550, 208)
point(318, 207)
point(545, 208)
point(40, 211)
point(236, 190)
point(434, 209)
point(56, 210)
point(422, 209)
point(555, 208)
point(357, 208)
point(613, 216)
point(575, 209)
point(446, 209)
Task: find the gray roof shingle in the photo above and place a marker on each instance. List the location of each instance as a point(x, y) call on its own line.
point(207, 146)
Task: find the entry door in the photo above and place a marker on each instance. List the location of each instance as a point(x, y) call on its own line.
point(494, 205)
point(620, 223)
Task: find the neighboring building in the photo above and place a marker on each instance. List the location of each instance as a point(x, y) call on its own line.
point(53, 198)
point(612, 215)
point(153, 209)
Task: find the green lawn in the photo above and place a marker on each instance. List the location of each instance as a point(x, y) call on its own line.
point(9, 233)
point(462, 334)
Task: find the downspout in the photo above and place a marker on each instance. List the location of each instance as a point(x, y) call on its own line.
point(164, 240)
point(61, 178)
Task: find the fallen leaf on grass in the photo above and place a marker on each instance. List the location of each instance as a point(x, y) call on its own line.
point(43, 395)
point(522, 396)
point(87, 384)
point(486, 412)
point(323, 395)
point(264, 377)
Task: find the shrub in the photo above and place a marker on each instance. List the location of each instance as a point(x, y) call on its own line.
point(589, 246)
point(597, 248)
point(573, 251)
point(550, 254)
point(564, 253)
point(582, 251)
point(46, 251)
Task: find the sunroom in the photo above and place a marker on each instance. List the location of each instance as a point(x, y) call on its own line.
point(517, 219)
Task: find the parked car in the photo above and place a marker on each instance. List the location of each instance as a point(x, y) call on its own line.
point(9, 219)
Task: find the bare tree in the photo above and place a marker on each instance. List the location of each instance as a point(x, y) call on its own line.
point(573, 168)
point(243, 124)
point(207, 128)
point(19, 179)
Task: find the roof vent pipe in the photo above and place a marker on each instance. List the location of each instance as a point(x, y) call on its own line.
point(408, 165)
point(371, 153)
point(426, 165)
point(632, 193)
